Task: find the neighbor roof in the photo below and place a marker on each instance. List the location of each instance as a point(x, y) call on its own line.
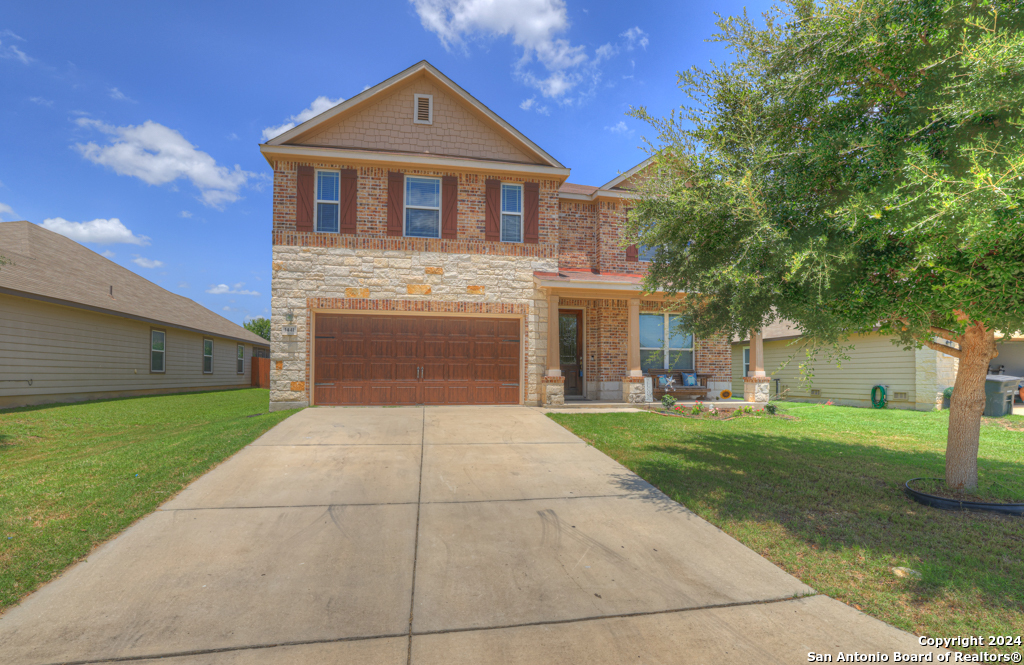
point(781, 329)
point(422, 68)
point(47, 266)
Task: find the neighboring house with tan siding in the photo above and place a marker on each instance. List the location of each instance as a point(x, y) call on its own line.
point(76, 326)
point(914, 379)
point(427, 252)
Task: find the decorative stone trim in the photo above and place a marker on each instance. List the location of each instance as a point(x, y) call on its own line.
point(445, 306)
point(756, 388)
point(632, 379)
point(633, 390)
point(553, 390)
point(356, 242)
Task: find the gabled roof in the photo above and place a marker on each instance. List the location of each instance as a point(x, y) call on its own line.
point(422, 68)
point(610, 189)
point(49, 267)
point(615, 182)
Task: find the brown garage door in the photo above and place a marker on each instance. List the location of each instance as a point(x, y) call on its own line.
point(379, 359)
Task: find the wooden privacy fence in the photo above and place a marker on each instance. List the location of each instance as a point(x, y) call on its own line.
point(260, 372)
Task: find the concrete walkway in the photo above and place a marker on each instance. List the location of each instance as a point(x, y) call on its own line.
point(455, 535)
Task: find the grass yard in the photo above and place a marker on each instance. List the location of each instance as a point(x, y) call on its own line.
point(73, 475)
point(821, 496)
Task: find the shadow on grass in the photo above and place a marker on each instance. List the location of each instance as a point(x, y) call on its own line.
point(837, 498)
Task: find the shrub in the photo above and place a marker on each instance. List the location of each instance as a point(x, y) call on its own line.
point(948, 393)
point(771, 408)
point(668, 401)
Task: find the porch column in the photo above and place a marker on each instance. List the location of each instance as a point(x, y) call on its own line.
point(633, 339)
point(554, 366)
point(755, 383)
point(756, 354)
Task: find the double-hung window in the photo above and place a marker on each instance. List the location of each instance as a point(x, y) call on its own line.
point(663, 345)
point(746, 361)
point(646, 253)
point(511, 213)
point(422, 207)
point(240, 359)
point(328, 184)
point(157, 350)
point(207, 356)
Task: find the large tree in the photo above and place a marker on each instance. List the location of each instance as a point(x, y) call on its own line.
point(858, 166)
point(260, 326)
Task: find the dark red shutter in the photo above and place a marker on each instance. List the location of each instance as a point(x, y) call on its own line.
point(396, 201)
point(450, 207)
point(531, 212)
point(305, 199)
point(492, 210)
point(631, 254)
point(347, 200)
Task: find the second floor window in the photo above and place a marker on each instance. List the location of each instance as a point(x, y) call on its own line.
point(207, 356)
point(511, 213)
point(646, 253)
point(327, 204)
point(423, 207)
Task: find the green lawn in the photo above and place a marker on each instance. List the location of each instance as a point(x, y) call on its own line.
point(821, 496)
point(73, 475)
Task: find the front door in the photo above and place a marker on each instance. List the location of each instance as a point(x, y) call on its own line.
point(570, 350)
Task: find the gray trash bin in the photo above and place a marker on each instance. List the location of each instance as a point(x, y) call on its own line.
point(999, 392)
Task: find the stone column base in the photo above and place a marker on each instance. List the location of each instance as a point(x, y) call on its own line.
point(633, 390)
point(552, 391)
point(284, 406)
point(756, 388)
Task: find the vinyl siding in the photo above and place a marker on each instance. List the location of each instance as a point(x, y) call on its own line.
point(873, 360)
point(69, 352)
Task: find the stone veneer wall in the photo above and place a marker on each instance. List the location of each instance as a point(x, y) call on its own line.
point(364, 278)
point(934, 372)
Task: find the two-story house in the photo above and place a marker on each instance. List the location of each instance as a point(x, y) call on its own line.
point(427, 252)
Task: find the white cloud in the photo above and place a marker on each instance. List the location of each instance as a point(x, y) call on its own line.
point(533, 26)
point(527, 104)
point(146, 263)
point(186, 214)
point(6, 210)
point(107, 253)
point(41, 101)
point(219, 289)
point(620, 128)
point(120, 96)
point(319, 105)
point(99, 231)
point(635, 37)
point(183, 285)
point(11, 51)
point(158, 155)
point(232, 136)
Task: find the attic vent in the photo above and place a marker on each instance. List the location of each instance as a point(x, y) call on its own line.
point(423, 109)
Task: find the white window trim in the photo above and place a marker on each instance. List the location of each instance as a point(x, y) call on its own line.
point(318, 201)
point(406, 206)
point(164, 352)
point(240, 347)
point(502, 213)
point(666, 338)
point(205, 340)
point(416, 109)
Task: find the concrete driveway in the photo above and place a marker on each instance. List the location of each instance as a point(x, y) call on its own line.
point(455, 535)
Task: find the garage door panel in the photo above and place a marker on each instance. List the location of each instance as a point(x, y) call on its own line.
point(374, 359)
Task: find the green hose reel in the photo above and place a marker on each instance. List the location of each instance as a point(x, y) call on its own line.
point(878, 398)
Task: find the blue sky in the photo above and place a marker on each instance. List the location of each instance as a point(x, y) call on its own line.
point(133, 127)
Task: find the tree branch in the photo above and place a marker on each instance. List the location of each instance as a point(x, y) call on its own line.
point(948, 334)
point(892, 84)
point(942, 348)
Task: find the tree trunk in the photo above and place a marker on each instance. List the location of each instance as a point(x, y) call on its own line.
point(977, 348)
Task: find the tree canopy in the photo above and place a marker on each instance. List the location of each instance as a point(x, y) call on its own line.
point(858, 167)
point(259, 326)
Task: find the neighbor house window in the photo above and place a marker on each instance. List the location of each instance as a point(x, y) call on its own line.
point(511, 213)
point(207, 356)
point(746, 362)
point(662, 344)
point(327, 206)
point(240, 356)
point(423, 207)
point(157, 350)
